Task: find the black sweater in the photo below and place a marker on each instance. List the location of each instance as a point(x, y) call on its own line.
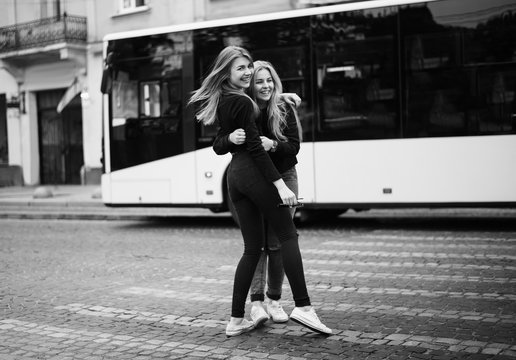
point(284, 157)
point(234, 112)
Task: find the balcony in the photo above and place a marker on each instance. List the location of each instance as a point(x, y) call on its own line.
point(42, 40)
point(42, 32)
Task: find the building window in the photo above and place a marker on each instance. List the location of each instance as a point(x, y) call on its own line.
point(50, 8)
point(130, 5)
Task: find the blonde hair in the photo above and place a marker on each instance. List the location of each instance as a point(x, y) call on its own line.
point(277, 108)
point(217, 84)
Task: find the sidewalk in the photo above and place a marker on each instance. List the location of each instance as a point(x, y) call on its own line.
point(78, 202)
point(52, 195)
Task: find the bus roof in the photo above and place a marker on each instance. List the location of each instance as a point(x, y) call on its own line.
point(350, 6)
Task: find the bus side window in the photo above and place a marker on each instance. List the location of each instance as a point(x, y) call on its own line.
point(125, 98)
point(357, 92)
point(497, 114)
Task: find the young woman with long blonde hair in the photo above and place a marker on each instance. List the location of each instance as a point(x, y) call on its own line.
point(255, 186)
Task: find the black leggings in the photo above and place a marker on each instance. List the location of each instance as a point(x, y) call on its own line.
point(254, 197)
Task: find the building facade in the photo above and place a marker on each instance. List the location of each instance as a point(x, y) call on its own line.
point(50, 75)
point(43, 47)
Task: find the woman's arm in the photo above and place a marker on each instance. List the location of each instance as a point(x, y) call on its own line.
point(291, 131)
point(221, 144)
point(291, 98)
point(291, 145)
point(246, 119)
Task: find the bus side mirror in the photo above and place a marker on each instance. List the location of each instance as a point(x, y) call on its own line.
point(107, 75)
point(107, 81)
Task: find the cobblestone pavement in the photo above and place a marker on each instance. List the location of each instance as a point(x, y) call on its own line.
point(140, 289)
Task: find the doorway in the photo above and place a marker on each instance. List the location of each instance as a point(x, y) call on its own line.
point(4, 152)
point(60, 139)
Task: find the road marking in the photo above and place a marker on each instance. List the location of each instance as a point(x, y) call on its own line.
point(325, 306)
point(394, 339)
point(409, 264)
point(345, 242)
point(189, 296)
point(404, 237)
point(70, 336)
point(124, 314)
point(405, 254)
point(329, 288)
point(418, 277)
point(421, 312)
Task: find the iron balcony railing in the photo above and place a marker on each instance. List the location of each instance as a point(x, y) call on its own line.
point(65, 28)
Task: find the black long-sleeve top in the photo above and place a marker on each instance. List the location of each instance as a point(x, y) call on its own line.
point(284, 157)
point(234, 112)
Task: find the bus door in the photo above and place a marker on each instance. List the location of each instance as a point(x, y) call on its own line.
point(151, 152)
point(151, 132)
point(357, 104)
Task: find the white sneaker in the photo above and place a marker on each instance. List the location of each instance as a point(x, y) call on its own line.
point(258, 315)
point(244, 326)
point(310, 320)
point(276, 312)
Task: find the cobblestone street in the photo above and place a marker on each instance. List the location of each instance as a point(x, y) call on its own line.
point(161, 289)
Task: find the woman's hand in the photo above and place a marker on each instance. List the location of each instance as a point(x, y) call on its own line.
point(287, 196)
point(266, 143)
point(237, 137)
point(292, 99)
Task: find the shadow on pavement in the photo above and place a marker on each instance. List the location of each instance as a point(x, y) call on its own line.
point(182, 221)
point(420, 223)
point(359, 221)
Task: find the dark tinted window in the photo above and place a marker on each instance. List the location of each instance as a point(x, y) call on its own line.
point(357, 75)
point(148, 98)
point(459, 67)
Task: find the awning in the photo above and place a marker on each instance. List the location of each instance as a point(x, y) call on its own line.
point(70, 93)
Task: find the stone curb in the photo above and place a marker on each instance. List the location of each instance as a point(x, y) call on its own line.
point(38, 203)
point(97, 211)
point(48, 216)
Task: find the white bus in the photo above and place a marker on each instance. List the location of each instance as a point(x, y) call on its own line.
point(405, 104)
